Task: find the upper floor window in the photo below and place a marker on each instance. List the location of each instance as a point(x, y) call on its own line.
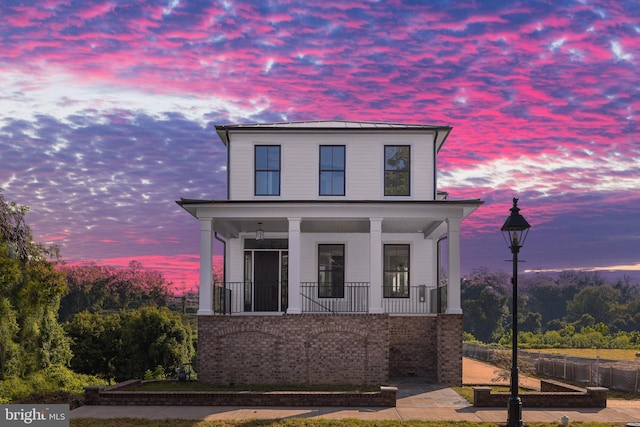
point(267, 163)
point(396, 271)
point(397, 167)
point(332, 170)
point(330, 271)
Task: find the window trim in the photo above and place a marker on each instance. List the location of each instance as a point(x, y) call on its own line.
point(256, 170)
point(340, 287)
point(343, 170)
point(395, 172)
point(387, 291)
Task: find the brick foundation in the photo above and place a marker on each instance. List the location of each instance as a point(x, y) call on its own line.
point(329, 349)
point(449, 348)
point(412, 344)
point(294, 349)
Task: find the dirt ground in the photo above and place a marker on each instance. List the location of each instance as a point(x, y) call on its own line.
point(475, 372)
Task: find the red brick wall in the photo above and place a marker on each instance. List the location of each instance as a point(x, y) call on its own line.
point(591, 397)
point(291, 349)
point(329, 349)
point(412, 347)
point(449, 347)
point(120, 394)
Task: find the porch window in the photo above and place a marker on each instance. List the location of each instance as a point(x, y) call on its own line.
point(396, 271)
point(332, 170)
point(397, 168)
point(331, 271)
point(267, 173)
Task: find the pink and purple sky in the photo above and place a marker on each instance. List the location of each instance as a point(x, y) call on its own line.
point(107, 111)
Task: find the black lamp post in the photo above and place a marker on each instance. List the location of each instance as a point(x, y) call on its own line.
point(514, 231)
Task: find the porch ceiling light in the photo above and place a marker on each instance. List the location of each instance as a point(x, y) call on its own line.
point(259, 232)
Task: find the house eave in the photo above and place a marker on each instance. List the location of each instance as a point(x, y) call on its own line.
point(336, 126)
point(232, 218)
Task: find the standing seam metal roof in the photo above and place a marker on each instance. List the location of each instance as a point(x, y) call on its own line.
point(329, 124)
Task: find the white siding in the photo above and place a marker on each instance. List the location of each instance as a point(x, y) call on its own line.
point(356, 253)
point(356, 247)
point(300, 165)
point(235, 263)
point(421, 264)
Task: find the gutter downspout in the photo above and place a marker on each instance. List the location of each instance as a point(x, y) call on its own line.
point(224, 256)
point(435, 169)
point(438, 287)
point(225, 302)
point(226, 132)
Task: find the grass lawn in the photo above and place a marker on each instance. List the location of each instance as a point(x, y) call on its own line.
point(604, 353)
point(304, 422)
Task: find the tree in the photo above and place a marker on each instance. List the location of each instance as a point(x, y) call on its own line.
point(154, 337)
point(97, 343)
point(9, 349)
point(600, 302)
point(484, 303)
point(94, 288)
point(31, 287)
point(125, 345)
point(546, 296)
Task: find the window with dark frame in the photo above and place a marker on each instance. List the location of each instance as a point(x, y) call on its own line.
point(332, 168)
point(397, 170)
point(396, 271)
point(330, 271)
point(267, 170)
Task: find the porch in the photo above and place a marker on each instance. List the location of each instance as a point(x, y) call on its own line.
point(290, 244)
point(246, 298)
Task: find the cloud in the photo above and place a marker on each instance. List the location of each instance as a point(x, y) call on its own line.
point(107, 108)
point(617, 268)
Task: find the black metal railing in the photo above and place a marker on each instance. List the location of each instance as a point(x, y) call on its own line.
point(239, 297)
point(350, 297)
point(221, 299)
point(414, 300)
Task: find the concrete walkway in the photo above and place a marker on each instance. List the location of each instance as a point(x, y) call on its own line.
point(416, 401)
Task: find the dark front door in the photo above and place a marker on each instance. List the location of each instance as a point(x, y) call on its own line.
point(266, 277)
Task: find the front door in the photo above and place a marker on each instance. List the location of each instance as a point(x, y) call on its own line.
point(266, 280)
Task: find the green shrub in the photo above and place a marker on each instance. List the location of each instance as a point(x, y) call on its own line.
point(53, 378)
point(158, 373)
point(148, 375)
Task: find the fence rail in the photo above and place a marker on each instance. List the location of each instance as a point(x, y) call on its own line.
point(621, 375)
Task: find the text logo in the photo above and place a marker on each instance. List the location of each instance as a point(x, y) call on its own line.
point(34, 415)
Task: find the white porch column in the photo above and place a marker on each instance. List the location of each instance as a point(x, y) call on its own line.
point(205, 299)
point(453, 285)
point(375, 266)
point(294, 266)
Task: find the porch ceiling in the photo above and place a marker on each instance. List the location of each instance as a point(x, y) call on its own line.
point(230, 219)
point(232, 227)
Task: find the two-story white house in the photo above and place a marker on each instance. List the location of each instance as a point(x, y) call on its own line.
point(333, 235)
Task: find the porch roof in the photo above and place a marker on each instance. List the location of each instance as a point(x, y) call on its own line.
point(231, 218)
